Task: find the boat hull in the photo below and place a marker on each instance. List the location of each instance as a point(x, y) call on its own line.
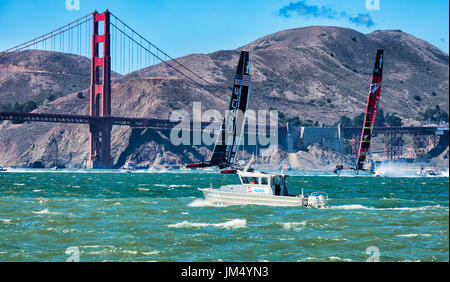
point(220, 198)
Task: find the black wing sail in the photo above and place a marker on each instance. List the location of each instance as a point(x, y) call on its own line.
point(232, 128)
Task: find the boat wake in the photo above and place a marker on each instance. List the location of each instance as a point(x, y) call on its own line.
point(361, 207)
point(392, 170)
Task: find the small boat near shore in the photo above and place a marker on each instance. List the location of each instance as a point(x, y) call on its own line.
point(429, 172)
point(2, 169)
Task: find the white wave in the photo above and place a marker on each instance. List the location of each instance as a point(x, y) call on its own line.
point(150, 253)
point(6, 221)
point(172, 186)
point(45, 211)
point(361, 207)
point(198, 203)
point(143, 189)
point(19, 184)
point(413, 235)
point(130, 252)
point(235, 223)
point(293, 225)
point(414, 209)
point(338, 258)
point(350, 207)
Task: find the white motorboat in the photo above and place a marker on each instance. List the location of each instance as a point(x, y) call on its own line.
point(129, 167)
point(429, 172)
point(259, 188)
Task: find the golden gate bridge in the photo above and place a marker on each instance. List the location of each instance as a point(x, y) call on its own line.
point(115, 48)
point(112, 46)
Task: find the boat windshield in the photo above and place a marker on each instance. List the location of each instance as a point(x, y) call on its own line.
point(250, 180)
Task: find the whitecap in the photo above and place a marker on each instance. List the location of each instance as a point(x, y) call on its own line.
point(338, 258)
point(151, 253)
point(351, 207)
point(143, 189)
point(45, 211)
point(293, 225)
point(6, 221)
point(235, 223)
point(198, 203)
point(407, 235)
point(129, 252)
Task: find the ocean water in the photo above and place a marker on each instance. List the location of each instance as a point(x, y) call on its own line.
point(113, 216)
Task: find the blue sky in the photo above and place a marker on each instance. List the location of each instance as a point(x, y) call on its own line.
point(182, 27)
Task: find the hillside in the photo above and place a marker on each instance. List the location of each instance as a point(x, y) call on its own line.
point(315, 73)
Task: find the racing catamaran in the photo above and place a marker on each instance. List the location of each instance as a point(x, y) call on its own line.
point(370, 117)
point(232, 129)
point(256, 188)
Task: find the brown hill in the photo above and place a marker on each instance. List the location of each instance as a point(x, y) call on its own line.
point(316, 73)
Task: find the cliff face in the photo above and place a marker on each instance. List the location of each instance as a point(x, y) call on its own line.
point(316, 73)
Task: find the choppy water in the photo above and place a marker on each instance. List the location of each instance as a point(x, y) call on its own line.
point(110, 216)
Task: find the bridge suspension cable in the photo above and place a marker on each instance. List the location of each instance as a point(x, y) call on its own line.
point(134, 38)
point(51, 36)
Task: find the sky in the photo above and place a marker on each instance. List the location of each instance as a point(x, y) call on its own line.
point(182, 27)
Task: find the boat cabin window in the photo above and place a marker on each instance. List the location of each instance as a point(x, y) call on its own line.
point(250, 180)
point(254, 180)
point(246, 180)
point(264, 181)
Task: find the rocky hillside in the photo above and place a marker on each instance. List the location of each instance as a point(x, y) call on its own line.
point(314, 73)
point(41, 76)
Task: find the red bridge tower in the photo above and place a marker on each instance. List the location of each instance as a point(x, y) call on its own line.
point(100, 133)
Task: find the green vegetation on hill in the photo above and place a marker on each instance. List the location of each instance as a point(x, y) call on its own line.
point(19, 108)
point(434, 115)
point(381, 120)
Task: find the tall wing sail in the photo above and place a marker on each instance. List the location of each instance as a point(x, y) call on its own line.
point(232, 129)
point(371, 110)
